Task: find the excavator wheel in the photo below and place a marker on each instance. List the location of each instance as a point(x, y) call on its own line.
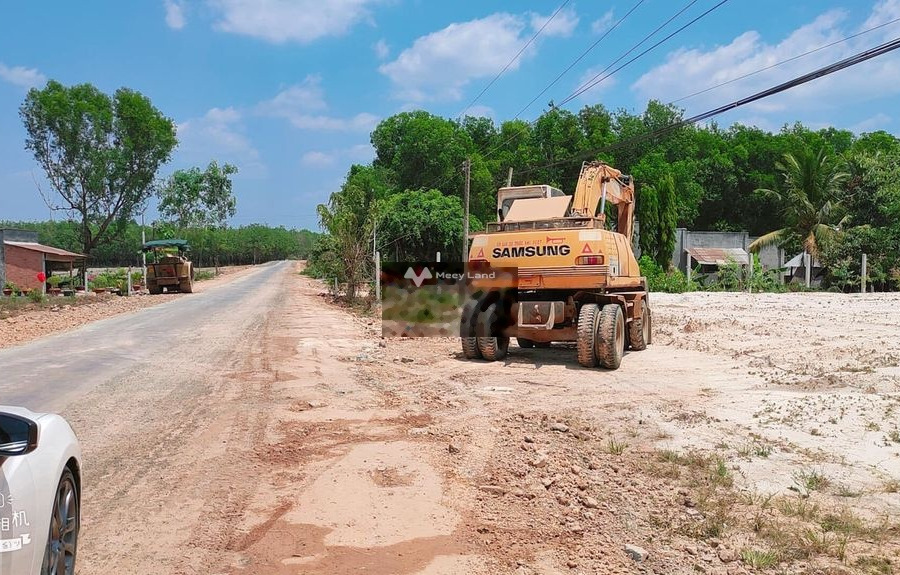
point(524, 343)
point(467, 331)
point(611, 336)
point(186, 286)
point(492, 347)
point(587, 334)
point(639, 329)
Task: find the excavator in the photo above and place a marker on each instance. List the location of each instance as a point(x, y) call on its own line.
point(568, 274)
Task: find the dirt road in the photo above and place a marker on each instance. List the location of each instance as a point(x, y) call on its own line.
point(277, 434)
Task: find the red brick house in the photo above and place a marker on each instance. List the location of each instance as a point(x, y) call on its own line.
point(22, 259)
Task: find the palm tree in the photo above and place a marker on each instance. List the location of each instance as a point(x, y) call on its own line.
point(811, 198)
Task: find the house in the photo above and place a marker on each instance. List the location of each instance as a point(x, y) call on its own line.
point(709, 250)
point(23, 259)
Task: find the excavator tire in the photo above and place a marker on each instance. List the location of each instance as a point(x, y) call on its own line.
point(524, 343)
point(639, 329)
point(587, 334)
point(492, 347)
point(611, 336)
point(467, 331)
point(186, 286)
point(154, 290)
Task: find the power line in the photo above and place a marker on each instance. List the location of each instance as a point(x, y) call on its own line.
point(514, 58)
point(600, 77)
point(647, 37)
point(580, 57)
point(784, 86)
point(791, 59)
point(583, 54)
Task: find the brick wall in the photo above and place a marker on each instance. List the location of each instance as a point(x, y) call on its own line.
point(23, 266)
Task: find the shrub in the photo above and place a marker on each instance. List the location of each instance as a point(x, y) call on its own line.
point(671, 281)
point(36, 296)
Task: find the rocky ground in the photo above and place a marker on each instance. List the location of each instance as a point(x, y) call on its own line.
point(758, 434)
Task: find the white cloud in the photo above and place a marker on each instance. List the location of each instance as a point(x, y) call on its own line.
point(218, 134)
point(563, 24)
point(303, 105)
point(480, 111)
point(382, 50)
point(687, 71)
point(21, 76)
point(593, 93)
point(880, 121)
point(438, 66)
point(359, 153)
point(317, 159)
point(174, 14)
point(603, 23)
point(281, 21)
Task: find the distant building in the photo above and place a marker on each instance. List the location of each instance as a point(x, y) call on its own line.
point(22, 259)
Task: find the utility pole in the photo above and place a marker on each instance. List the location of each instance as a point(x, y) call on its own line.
point(863, 272)
point(467, 168)
point(509, 177)
point(143, 253)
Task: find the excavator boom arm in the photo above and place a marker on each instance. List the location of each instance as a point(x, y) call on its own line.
point(599, 184)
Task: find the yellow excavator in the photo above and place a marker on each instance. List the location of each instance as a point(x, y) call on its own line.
point(572, 275)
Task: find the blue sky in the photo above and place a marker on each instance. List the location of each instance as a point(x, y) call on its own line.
point(288, 90)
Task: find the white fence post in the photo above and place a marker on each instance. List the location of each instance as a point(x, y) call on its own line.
point(862, 275)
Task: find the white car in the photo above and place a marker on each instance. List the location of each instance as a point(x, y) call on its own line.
point(40, 493)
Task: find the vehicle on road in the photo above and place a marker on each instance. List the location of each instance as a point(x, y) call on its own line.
point(573, 274)
point(170, 268)
point(40, 493)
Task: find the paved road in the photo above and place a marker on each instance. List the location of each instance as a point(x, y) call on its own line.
point(48, 374)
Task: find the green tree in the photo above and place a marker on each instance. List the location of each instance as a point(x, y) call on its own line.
point(810, 197)
point(349, 217)
point(100, 153)
point(416, 224)
point(194, 198)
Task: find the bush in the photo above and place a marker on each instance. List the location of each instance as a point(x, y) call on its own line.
point(201, 275)
point(672, 281)
point(36, 296)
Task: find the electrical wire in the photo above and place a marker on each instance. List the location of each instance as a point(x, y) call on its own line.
point(784, 86)
point(601, 77)
point(514, 58)
point(580, 57)
point(791, 59)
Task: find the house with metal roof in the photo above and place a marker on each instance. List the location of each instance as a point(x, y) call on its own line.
point(24, 261)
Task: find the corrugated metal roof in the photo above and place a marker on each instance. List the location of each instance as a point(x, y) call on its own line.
point(44, 249)
point(719, 256)
point(797, 262)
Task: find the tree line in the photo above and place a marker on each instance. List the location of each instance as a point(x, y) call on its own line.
point(829, 191)
point(244, 245)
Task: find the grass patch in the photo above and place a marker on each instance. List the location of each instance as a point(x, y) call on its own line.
point(759, 559)
point(614, 447)
point(202, 275)
point(808, 480)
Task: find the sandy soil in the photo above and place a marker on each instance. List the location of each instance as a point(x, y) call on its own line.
point(58, 315)
point(743, 440)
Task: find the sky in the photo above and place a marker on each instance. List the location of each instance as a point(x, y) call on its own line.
point(289, 90)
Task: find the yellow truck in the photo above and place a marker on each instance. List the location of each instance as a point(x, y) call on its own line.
point(573, 275)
